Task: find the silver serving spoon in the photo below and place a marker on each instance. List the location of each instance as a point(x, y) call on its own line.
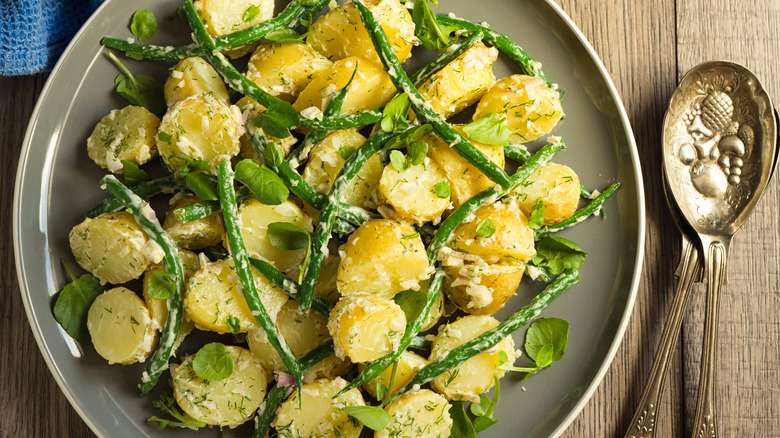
point(719, 147)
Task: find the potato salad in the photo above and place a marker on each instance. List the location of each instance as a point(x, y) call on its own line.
point(344, 225)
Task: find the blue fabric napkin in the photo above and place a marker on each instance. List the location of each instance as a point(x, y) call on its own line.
point(33, 33)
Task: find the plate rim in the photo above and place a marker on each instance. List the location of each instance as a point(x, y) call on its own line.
point(624, 318)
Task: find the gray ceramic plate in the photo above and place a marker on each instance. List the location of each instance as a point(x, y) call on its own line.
point(57, 183)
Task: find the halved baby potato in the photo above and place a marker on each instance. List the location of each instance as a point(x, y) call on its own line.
point(557, 185)
point(193, 77)
point(365, 327)
point(418, 414)
point(120, 326)
point(412, 192)
point(283, 70)
point(124, 134)
point(319, 413)
point(479, 288)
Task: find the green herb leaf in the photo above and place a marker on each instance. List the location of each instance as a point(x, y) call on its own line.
point(558, 254)
point(502, 357)
point(283, 36)
point(213, 362)
point(164, 136)
point(411, 302)
point(233, 324)
point(346, 151)
point(201, 186)
point(417, 152)
point(287, 236)
point(442, 189)
point(278, 119)
point(547, 331)
point(307, 2)
point(271, 127)
point(167, 405)
point(133, 173)
point(461, 424)
point(73, 302)
point(486, 229)
point(544, 358)
point(484, 409)
point(188, 165)
point(266, 186)
point(408, 137)
point(395, 113)
point(273, 155)
point(250, 14)
point(143, 25)
point(431, 34)
point(161, 285)
point(488, 129)
point(398, 160)
point(381, 390)
point(140, 90)
point(373, 417)
point(536, 219)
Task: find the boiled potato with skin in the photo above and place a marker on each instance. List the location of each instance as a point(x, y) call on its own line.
point(226, 402)
point(328, 157)
point(437, 308)
point(193, 77)
point(559, 188)
point(201, 128)
point(283, 70)
point(255, 217)
point(112, 247)
point(372, 87)
point(408, 365)
point(418, 414)
point(462, 82)
point(479, 288)
point(411, 193)
point(120, 326)
point(197, 234)
point(227, 16)
point(465, 179)
point(318, 414)
point(474, 376)
point(326, 285)
point(531, 109)
point(124, 134)
point(214, 295)
point(382, 257)
point(365, 327)
point(512, 241)
point(340, 33)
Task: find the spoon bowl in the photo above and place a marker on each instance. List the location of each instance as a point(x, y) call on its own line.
point(719, 149)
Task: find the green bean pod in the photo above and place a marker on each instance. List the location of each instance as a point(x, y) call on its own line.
point(444, 58)
point(485, 341)
point(580, 215)
point(227, 199)
point(517, 152)
point(143, 189)
point(424, 112)
point(146, 217)
point(275, 397)
point(288, 286)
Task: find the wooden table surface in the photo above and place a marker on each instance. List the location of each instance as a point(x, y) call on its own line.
point(646, 46)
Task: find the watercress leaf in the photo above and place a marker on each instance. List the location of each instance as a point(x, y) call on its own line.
point(283, 36)
point(408, 137)
point(213, 362)
point(398, 160)
point(503, 358)
point(250, 13)
point(284, 114)
point(271, 127)
point(287, 236)
point(482, 407)
point(73, 302)
point(536, 219)
point(431, 34)
point(411, 302)
point(461, 424)
point(145, 91)
point(544, 331)
point(273, 155)
point(373, 417)
point(395, 113)
point(233, 324)
point(161, 285)
point(559, 254)
point(488, 129)
point(133, 173)
point(346, 151)
point(486, 228)
point(417, 152)
point(143, 24)
point(482, 423)
point(381, 390)
point(200, 184)
point(442, 189)
point(544, 356)
point(164, 136)
point(266, 186)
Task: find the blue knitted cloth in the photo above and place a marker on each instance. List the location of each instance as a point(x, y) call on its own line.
point(33, 33)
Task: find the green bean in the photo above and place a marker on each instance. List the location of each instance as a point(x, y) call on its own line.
point(584, 193)
point(420, 343)
point(145, 217)
point(143, 189)
point(275, 396)
point(202, 209)
point(580, 215)
point(288, 17)
point(538, 272)
point(456, 356)
point(517, 152)
point(502, 43)
point(288, 286)
point(330, 210)
point(318, 354)
point(444, 58)
point(227, 199)
point(344, 121)
point(425, 112)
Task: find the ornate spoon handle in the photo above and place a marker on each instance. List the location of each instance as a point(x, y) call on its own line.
point(643, 423)
point(706, 423)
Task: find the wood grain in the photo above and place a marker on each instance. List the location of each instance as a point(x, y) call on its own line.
point(646, 47)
